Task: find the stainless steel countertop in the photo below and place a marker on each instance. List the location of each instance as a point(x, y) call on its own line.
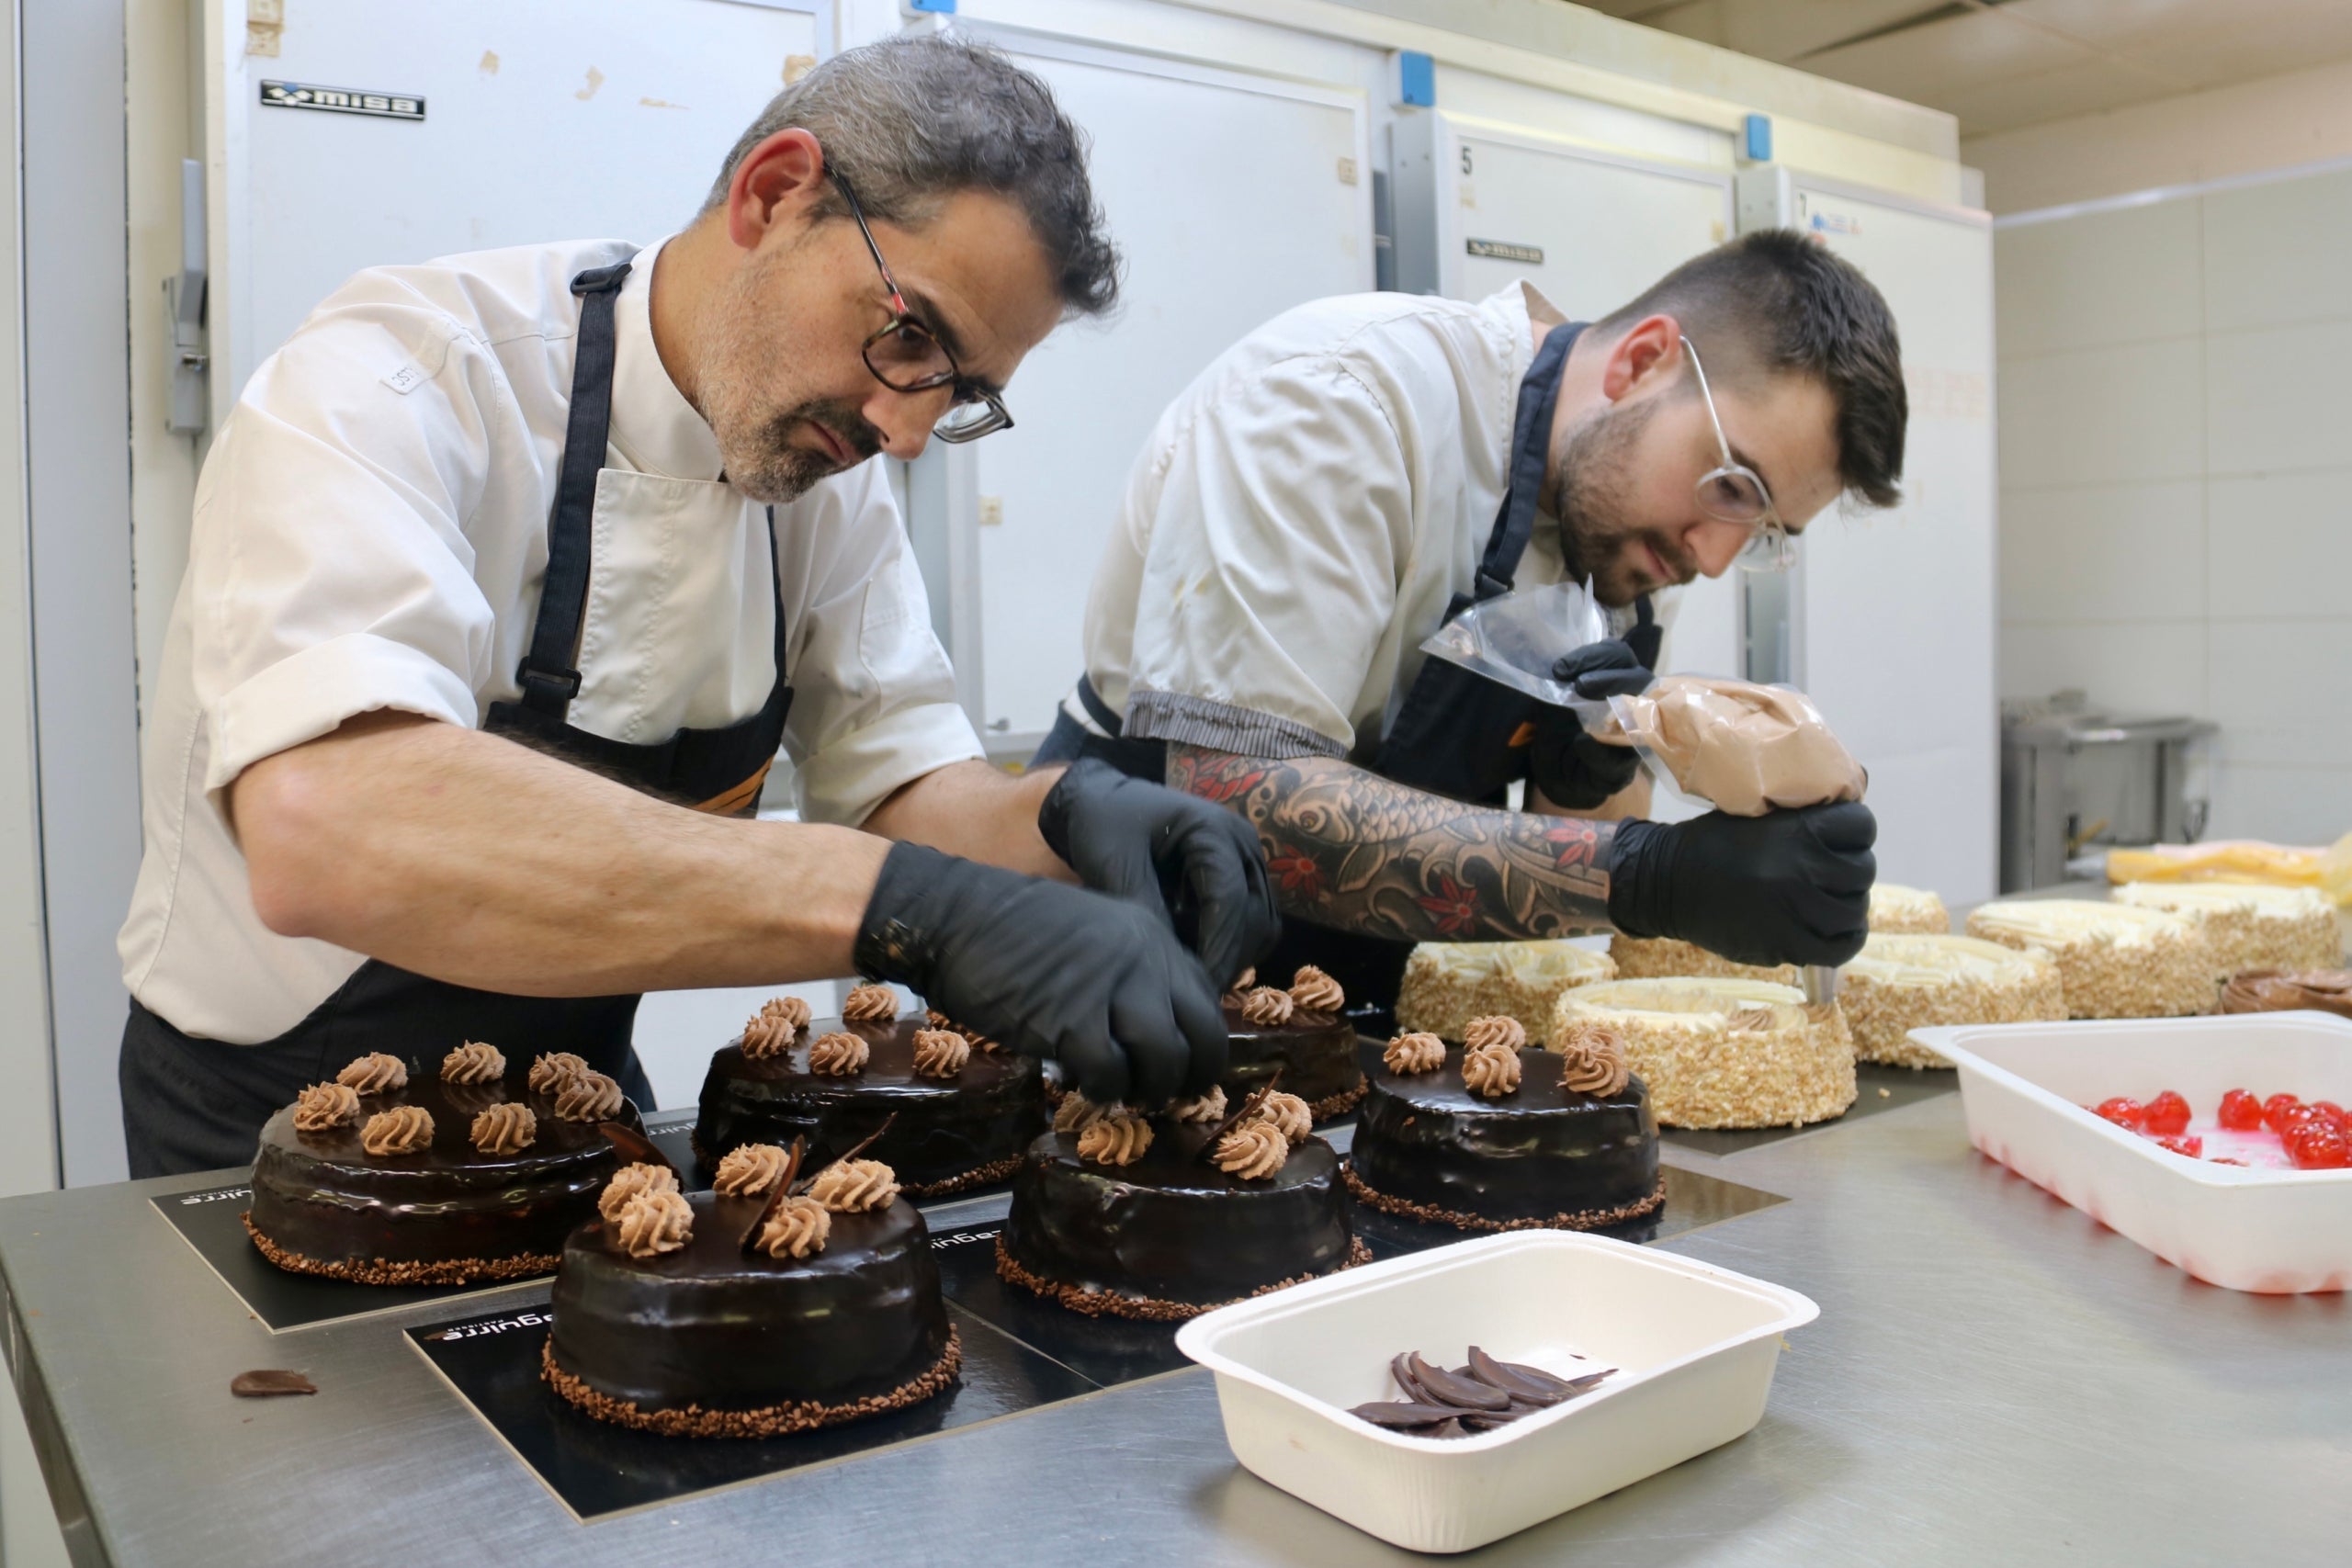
point(1995, 1379)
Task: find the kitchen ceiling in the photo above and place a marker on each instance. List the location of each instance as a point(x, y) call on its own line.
point(2000, 64)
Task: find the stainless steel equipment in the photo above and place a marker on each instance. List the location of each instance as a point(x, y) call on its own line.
point(1995, 1379)
point(2074, 777)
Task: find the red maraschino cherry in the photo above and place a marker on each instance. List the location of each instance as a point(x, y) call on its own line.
point(2241, 1112)
point(2123, 1110)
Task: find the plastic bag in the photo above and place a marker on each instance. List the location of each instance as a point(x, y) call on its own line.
point(1749, 749)
point(1515, 638)
point(1743, 748)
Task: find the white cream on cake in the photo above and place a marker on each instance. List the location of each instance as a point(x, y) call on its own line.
point(2116, 960)
point(1447, 984)
point(2250, 927)
point(1900, 983)
point(1722, 1052)
point(1907, 911)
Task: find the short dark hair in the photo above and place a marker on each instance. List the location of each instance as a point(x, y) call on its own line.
point(1782, 304)
point(912, 120)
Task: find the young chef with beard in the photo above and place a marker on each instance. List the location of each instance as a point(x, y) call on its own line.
point(1358, 472)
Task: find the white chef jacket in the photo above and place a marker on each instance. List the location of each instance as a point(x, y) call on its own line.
point(371, 532)
point(1302, 516)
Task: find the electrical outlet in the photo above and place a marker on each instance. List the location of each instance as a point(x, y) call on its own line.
point(991, 511)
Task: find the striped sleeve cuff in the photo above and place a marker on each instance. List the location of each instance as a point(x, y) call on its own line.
point(1221, 727)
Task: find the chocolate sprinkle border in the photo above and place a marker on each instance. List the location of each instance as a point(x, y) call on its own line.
point(979, 1176)
point(1429, 1214)
point(1336, 1105)
point(388, 1271)
point(1150, 1309)
point(766, 1421)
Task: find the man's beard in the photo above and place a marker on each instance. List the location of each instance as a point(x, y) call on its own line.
point(1597, 481)
point(756, 448)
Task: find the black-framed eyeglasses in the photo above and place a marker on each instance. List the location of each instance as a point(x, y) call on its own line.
point(1736, 493)
point(906, 356)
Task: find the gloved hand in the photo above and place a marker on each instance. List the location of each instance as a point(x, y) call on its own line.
point(1155, 847)
point(1785, 888)
point(1098, 983)
point(1570, 767)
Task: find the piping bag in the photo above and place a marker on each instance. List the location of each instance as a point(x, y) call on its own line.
point(1743, 748)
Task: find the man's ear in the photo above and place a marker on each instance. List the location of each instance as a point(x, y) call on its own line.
point(775, 184)
point(1650, 352)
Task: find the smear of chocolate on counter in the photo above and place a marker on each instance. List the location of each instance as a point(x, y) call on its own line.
point(265, 1381)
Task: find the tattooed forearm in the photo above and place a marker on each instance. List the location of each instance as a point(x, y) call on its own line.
point(1349, 849)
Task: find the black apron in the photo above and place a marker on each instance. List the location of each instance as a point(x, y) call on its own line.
point(1456, 734)
point(191, 1104)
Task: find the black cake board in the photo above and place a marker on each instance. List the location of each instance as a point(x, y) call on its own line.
point(1881, 1087)
point(1115, 1350)
point(1021, 1352)
point(597, 1469)
point(212, 1223)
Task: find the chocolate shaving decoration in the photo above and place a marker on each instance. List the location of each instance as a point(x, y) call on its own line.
point(1252, 1103)
point(635, 1147)
point(1460, 1392)
point(263, 1382)
point(750, 1243)
point(1478, 1397)
point(1403, 1416)
point(857, 1149)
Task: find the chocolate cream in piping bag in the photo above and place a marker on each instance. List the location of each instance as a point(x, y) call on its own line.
point(1747, 748)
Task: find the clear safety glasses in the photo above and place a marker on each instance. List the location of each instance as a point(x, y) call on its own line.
point(1736, 493)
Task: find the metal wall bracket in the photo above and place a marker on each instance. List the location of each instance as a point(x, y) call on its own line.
point(184, 298)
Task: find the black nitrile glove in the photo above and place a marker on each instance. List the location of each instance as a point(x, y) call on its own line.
point(1098, 983)
point(1570, 767)
point(1156, 847)
point(1785, 888)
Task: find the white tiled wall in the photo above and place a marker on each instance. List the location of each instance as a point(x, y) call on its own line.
point(2177, 481)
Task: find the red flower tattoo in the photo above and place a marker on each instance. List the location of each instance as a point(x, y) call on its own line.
point(1571, 843)
point(1224, 788)
point(1300, 876)
point(1454, 907)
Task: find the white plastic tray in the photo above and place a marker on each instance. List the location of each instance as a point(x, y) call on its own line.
point(1695, 1346)
point(2024, 1086)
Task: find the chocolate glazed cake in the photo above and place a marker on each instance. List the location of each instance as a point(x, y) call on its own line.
point(1298, 1032)
point(1168, 1217)
point(749, 1312)
point(389, 1178)
point(1499, 1136)
point(963, 1108)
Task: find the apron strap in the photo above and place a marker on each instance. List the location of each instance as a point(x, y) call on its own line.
point(1531, 449)
point(1646, 637)
point(1097, 709)
point(549, 678)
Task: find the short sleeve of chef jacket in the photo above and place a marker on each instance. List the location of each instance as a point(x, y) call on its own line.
point(1282, 526)
point(873, 695)
point(331, 570)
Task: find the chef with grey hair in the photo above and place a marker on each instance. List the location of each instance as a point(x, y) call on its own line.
point(510, 574)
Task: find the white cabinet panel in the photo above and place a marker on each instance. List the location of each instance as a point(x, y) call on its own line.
point(1234, 198)
point(1606, 226)
point(1895, 639)
point(545, 119)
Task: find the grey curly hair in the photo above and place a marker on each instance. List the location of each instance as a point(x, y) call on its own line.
point(912, 120)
